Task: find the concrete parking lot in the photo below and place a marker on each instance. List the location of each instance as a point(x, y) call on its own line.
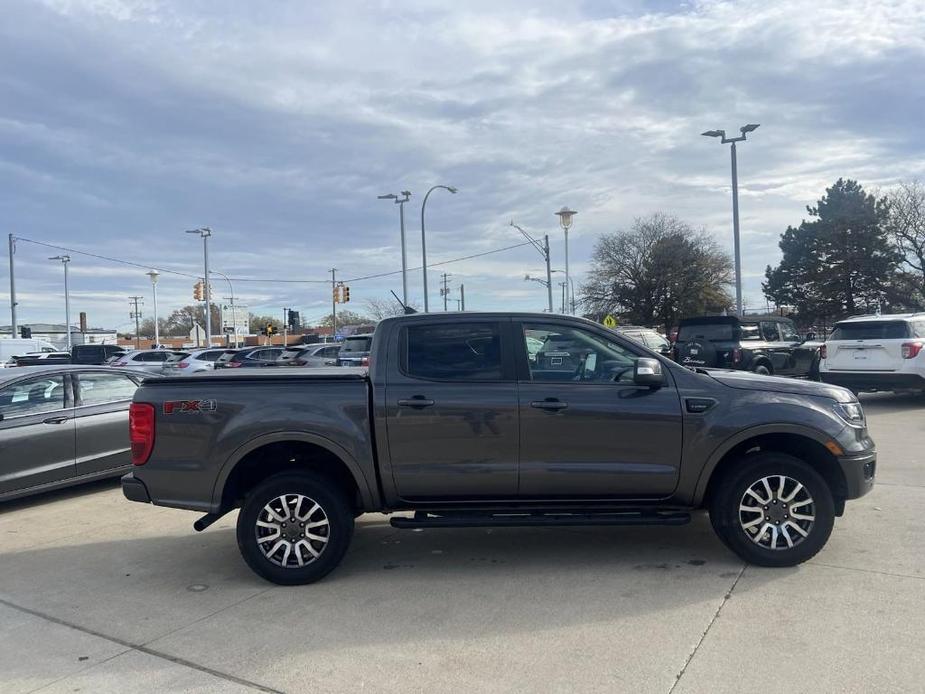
point(98, 594)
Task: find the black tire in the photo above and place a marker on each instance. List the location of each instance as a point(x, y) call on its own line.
point(763, 369)
point(334, 507)
point(727, 519)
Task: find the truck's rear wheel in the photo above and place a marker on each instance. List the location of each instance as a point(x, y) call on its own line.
point(773, 510)
point(294, 528)
point(763, 369)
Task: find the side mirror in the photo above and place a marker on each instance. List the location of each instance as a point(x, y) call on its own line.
point(648, 372)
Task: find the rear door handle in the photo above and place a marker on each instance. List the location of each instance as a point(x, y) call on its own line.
point(55, 420)
point(551, 405)
point(419, 402)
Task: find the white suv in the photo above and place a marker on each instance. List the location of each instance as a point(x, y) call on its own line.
point(876, 353)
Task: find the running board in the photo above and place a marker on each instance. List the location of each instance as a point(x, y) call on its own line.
point(422, 519)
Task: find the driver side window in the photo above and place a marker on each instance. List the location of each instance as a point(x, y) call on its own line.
point(565, 354)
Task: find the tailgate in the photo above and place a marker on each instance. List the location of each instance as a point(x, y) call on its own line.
point(867, 355)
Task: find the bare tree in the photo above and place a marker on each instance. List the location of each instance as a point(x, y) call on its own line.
point(659, 271)
point(906, 227)
point(378, 309)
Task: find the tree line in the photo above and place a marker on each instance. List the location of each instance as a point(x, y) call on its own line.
point(857, 252)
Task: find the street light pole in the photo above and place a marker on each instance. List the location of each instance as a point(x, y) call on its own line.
point(13, 325)
point(404, 254)
point(65, 259)
point(153, 274)
point(565, 220)
point(205, 233)
point(424, 238)
point(543, 250)
point(334, 304)
point(234, 315)
point(744, 130)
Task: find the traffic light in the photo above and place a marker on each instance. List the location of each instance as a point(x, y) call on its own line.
point(294, 320)
point(269, 331)
point(346, 291)
point(198, 290)
point(25, 332)
point(337, 295)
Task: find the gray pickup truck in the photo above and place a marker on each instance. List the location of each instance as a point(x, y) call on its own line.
point(486, 419)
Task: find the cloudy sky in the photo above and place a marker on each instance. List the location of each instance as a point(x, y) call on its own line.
point(123, 123)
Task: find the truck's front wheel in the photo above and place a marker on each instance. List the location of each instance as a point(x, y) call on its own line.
point(773, 510)
point(294, 528)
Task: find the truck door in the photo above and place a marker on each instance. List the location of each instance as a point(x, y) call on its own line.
point(586, 430)
point(451, 411)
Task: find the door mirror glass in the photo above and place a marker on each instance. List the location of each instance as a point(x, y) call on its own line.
point(648, 372)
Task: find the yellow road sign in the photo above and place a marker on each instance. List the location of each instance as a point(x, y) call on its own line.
point(610, 321)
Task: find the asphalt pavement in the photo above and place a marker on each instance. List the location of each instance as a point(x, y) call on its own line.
point(98, 594)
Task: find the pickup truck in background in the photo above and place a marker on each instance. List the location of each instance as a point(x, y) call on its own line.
point(487, 419)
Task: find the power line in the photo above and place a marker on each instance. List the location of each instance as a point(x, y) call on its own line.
point(267, 280)
point(104, 257)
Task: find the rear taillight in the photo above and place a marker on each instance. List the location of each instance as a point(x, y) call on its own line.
point(232, 365)
point(736, 355)
point(119, 363)
point(911, 349)
point(364, 361)
point(183, 365)
point(141, 431)
point(823, 352)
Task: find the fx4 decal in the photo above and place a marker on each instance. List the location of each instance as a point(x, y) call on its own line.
point(189, 406)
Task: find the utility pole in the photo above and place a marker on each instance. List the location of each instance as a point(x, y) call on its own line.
point(446, 291)
point(285, 326)
point(136, 314)
point(13, 326)
point(543, 251)
point(462, 297)
point(334, 304)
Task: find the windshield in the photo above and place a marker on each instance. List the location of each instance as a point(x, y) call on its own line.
point(871, 330)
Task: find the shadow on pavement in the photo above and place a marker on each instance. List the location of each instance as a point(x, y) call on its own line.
point(64, 494)
point(891, 403)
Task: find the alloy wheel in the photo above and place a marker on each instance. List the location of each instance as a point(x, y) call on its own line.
point(777, 512)
point(292, 530)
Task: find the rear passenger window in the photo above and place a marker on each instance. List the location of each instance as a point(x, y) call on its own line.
point(96, 388)
point(455, 352)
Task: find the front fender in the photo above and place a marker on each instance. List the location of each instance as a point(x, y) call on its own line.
point(368, 493)
point(752, 432)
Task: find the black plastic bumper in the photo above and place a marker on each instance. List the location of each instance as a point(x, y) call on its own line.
point(860, 471)
point(873, 381)
point(134, 489)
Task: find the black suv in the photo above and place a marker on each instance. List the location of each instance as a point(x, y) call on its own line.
point(765, 345)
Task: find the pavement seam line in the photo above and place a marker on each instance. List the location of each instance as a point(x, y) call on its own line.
point(703, 636)
point(79, 672)
point(865, 571)
point(142, 649)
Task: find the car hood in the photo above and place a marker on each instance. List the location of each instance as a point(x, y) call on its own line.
point(746, 380)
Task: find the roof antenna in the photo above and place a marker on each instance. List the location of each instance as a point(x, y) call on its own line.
point(408, 310)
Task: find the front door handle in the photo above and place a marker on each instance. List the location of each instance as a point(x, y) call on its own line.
point(417, 402)
point(549, 404)
point(55, 420)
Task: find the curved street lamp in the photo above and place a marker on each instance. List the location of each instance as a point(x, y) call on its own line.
point(424, 239)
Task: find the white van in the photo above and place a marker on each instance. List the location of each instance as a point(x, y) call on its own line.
point(17, 347)
point(876, 353)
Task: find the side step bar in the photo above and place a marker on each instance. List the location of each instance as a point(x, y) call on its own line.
point(423, 519)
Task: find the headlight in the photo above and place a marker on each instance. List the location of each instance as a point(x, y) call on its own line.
point(851, 412)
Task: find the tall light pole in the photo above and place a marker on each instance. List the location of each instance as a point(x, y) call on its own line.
point(424, 239)
point(65, 259)
point(543, 250)
point(234, 315)
point(744, 130)
point(404, 254)
point(205, 233)
point(13, 325)
point(154, 274)
point(565, 220)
